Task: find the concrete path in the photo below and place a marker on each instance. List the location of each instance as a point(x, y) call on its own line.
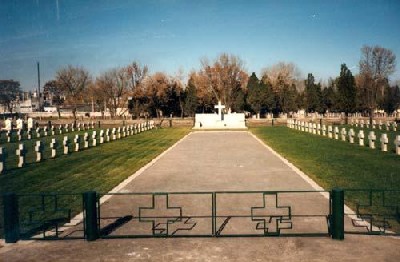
point(208, 162)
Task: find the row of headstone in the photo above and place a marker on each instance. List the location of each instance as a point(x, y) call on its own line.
point(103, 136)
point(333, 132)
point(375, 125)
point(47, 131)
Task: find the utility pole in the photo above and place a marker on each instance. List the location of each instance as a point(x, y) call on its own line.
point(38, 72)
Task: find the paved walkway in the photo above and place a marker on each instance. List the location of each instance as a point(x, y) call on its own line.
point(214, 161)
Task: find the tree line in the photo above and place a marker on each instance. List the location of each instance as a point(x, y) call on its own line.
point(279, 89)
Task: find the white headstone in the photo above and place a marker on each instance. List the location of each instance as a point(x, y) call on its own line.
point(371, 139)
point(397, 144)
point(351, 136)
point(39, 150)
point(94, 138)
point(20, 152)
point(66, 145)
point(31, 123)
point(336, 132)
point(343, 134)
point(8, 124)
point(361, 137)
point(77, 141)
point(2, 160)
point(20, 123)
point(384, 141)
point(86, 140)
point(53, 147)
point(330, 132)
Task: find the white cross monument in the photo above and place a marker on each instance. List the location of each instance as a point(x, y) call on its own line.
point(219, 107)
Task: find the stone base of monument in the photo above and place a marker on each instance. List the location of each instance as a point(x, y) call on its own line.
point(215, 121)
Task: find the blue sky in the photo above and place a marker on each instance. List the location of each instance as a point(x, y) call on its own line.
point(170, 35)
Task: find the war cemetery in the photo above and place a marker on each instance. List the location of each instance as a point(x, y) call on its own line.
point(210, 131)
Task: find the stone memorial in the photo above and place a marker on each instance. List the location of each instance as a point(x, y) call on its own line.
point(77, 141)
point(343, 133)
point(66, 145)
point(330, 132)
point(45, 129)
point(94, 138)
point(371, 139)
point(107, 135)
point(384, 141)
point(29, 132)
point(373, 124)
point(380, 125)
point(397, 144)
point(114, 134)
point(60, 129)
point(8, 135)
point(31, 123)
point(21, 152)
point(53, 132)
point(66, 128)
point(118, 133)
point(351, 136)
point(361, 137)
point(336, 132)
point(101, 136)
point(324, 130)
point(220, 120)
point(8, 124)
point(39, 150)
point(394, 126)
point(20, 124)
point(86, 140)
point(362, 123)
point(38, 132)
point(79, 126)
point(53, 147)
point(19, 134)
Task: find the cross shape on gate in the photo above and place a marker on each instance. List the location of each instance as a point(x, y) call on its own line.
point(160, 214)
point(270, 217)
point(219, 107)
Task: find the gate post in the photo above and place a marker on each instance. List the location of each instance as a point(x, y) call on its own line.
point(90, 210)
point(337, 216)
point(11, 218)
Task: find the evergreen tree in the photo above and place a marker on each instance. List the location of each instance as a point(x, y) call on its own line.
point(256, 94)
point(346, 91)
point(313, 95)
point(191, 101)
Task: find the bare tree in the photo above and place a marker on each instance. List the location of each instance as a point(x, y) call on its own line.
point(9, 92)
point(73, 82)
point(114, 87)
point(286, 73)
point(376, 65)
point(53, 91)
point(137, 75)
point(222, 77)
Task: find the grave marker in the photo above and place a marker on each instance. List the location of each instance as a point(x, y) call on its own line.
point(351, 136)
point(371, 139)
point(39, 150)
point(66, 145)
point(53, 147)
point(94, 138)
point(77, 141)
point(384, 141)
point(361, 137)
point(86, 140)
point(21, 152)
point(343, 133)
point(397, 144)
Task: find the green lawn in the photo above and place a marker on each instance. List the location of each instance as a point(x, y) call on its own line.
point(334, 163)
point(99, 168)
